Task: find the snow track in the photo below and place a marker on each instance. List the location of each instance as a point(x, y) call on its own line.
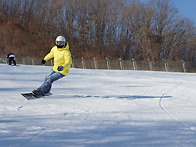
point(169, 114)
point(98, 108)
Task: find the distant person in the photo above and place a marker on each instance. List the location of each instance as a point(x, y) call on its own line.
point(62, 62)
point(11, 59)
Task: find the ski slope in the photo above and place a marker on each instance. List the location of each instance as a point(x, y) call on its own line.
point(99, 108)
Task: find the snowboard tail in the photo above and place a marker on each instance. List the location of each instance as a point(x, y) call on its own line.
point(31, 96)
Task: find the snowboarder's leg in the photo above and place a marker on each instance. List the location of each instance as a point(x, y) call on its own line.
point(46, 86)
point(10, 61)
point(14, 61)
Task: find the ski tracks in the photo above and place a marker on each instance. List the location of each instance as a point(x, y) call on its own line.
point(168, 113)
point(43, 130)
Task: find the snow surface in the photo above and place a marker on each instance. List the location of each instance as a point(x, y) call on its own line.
point(98, 108)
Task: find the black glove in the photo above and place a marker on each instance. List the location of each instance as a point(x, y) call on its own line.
point(43, 61)
point(60, 68)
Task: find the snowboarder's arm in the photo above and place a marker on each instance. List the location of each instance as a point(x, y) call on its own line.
point(49, 55)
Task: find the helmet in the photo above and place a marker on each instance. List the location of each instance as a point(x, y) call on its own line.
point(60, 41)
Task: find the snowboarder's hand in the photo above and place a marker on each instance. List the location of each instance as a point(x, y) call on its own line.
point(43, 61)
point(60, 68)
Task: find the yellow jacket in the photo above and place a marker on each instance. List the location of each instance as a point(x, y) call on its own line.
point(62, 57)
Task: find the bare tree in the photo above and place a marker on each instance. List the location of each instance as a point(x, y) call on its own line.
point(100, 28)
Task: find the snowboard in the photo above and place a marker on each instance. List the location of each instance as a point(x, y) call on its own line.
point(31, 96)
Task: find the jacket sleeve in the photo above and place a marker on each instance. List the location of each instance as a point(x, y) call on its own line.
point(49, 55)
point(68, 59)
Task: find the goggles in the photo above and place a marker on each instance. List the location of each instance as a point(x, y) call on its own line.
point(60, 43)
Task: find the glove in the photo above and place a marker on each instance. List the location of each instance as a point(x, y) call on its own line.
point(60, 68)
point(43, 61)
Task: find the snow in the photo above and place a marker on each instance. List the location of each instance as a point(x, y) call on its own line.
point(98, 108)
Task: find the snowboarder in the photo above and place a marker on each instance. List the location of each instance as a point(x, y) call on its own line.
point(62, 62)
point(11, 59)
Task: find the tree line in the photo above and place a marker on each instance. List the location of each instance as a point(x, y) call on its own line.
point(127, 29)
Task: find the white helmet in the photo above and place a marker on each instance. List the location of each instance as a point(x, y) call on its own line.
point(60, 41)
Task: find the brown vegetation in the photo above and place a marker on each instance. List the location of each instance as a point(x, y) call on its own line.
point(97, 28)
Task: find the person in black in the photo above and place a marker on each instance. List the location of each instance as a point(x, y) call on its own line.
point(11, 59)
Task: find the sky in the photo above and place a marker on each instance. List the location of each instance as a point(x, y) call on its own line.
point(186, 8)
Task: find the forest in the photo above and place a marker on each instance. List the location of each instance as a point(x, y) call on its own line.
point(126, 29)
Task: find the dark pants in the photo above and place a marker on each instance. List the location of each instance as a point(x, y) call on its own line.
point(11, 59)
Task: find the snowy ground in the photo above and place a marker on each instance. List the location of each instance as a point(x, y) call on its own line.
point(98, 108)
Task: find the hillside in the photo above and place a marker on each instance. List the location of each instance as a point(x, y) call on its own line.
point(24, 41)
point(111, 29)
